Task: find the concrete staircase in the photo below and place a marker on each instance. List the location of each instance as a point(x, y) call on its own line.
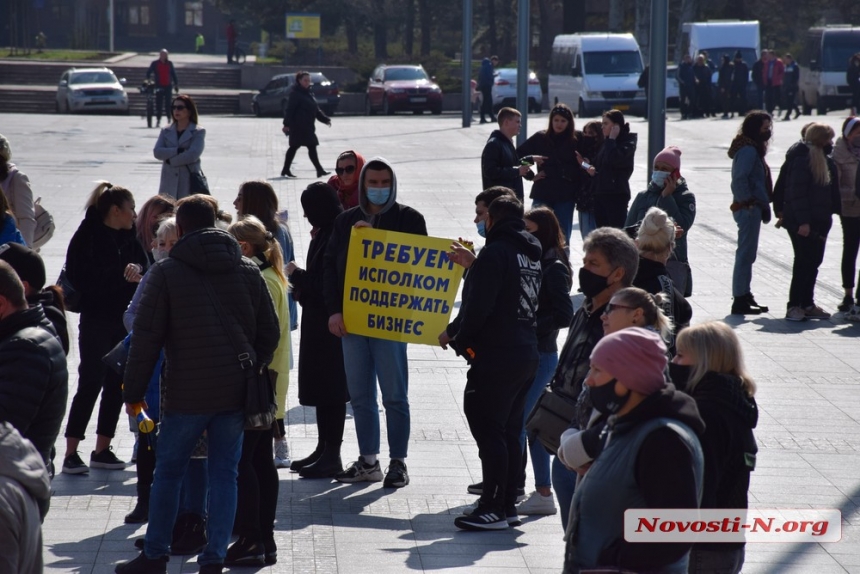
point(31, 87)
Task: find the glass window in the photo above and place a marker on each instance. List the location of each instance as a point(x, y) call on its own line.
point(194, 14)
point(613, 63)
point(133, 15)
point(838, 49)
point(405, 74)
point(144, 15)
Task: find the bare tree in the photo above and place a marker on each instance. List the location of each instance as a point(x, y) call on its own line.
point(642, 27)
point(492, 30)
point(380, 30)
point(426, 17)
point(409, 32)
point(689, 13)
point(616, 15)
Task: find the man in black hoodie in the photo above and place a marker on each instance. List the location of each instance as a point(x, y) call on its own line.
point(368, 359)
point(500, 164)
point(495, 332)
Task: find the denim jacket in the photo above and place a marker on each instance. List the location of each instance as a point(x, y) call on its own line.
point(748, 177)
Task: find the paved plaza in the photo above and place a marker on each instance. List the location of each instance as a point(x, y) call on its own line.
point(808, 374)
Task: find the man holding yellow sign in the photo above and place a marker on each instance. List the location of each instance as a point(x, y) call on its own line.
point(368, 357)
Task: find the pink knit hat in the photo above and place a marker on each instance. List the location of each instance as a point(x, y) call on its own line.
point(636, 357)
point(670, 155)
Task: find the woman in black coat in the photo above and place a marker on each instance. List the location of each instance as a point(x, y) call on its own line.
point(302, 110)
point(557, 182)
point(614, 165)
point(322, 379)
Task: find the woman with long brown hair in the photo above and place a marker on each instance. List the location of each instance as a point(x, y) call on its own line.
point(180, 146)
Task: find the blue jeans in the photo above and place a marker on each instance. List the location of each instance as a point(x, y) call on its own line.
point(537, 452)
point(365, 360)
point(563, 482)
point(749, 226)
point(563, 212)
point(195, 488)
point(177, 438)
point(586, 223)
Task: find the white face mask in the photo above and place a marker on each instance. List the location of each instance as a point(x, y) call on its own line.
point(159, 254)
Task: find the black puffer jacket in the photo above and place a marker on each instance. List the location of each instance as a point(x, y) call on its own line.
point(95, 264)
point(562, 172)
point(500, 295)
point(614, 165)
point(807, 202)
point(555, 309)
point(500, 164)
point(57, 318)
point(201, 369)
point(34, 385)
point(302, 110)
point(653, 277)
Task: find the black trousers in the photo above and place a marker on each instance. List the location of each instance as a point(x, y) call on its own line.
point(95, 338)
point(291, 155)
point(850, 248)
point(145, 465)
point(487, 103)
point(789, 102)
point(610, 211)
point(493, 402)
point(162, 102)
point(257, 487)
point(739, 101)
point(771, 98)
point(330, 423)
point(808, 255)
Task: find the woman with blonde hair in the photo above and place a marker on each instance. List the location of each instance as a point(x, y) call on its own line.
point(811, 198)
point(635, 307)
point(709, 366)
point(258, 477)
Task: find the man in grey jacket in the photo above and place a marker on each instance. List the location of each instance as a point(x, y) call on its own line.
point(203, 382)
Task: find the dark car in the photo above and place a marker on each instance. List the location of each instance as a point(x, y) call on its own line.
point(402, 88)
point(272, 99)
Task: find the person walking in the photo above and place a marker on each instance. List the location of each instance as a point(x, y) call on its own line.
point(368, 360)
point(190, 301)
point(790, 86)
point(811, 198)
point(301, 112)
point(710, 368)
point(500, 163)
point(740, 81)
point(495, 329)
point(15, 185)
point(704, 87)
point(486, 78)
point(322, 378)
point(557, 182)
point(165, 80)
point(345, 179)
point(752, 187)
point(846, 155)
point(852, 78)
point(232, 35)
point(686, 87)
point(97, 264)
point(179, 147)
point(614, 166)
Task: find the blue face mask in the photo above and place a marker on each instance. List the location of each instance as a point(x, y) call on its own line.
point(482, 228)
point(378, 195)
point(658, 178)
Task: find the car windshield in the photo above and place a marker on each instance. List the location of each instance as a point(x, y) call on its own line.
point(405, 74)
point(838, 49)
point(93, 78)
point(317, 78)
point(613, 63)
point(748, 55)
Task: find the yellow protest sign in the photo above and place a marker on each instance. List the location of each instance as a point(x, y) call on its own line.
point(303, 26)
point(399, 286)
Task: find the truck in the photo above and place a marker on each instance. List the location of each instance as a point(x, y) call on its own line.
point(823, 62)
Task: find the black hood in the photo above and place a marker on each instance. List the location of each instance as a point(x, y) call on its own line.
point(514, 230)
point(649, 270)
point(209, 250)
point(797, 149)
point(728, 393)
point(321, 205)
point(667, 402)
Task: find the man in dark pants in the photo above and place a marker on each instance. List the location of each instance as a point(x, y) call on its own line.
point(740, 80)
point(686, 87)
point(495, 332)
point(486, 77)
point(790, 86)
point(165, 78)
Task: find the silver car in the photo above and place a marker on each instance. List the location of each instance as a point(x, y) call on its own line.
point(91, 89)
point(505, 90)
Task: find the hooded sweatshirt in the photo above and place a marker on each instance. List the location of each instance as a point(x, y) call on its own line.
point(25, 491)
point(500, 295)
point(392, 217)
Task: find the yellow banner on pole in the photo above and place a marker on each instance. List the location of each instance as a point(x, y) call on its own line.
point(399, 286)
point(303, 26)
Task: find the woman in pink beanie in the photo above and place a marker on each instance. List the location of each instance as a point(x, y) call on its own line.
point(650, 457)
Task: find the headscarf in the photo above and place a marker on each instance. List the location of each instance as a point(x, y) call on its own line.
point(348, 194)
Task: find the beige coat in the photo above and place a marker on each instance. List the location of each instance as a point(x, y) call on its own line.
point(846, 165)
point(18, 193)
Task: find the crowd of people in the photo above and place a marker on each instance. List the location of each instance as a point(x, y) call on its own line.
point(190, 303)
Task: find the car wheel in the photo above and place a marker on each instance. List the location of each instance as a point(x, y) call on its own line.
point(417, 112)
point(436, 111)
point(386, 108)
point(368, 108)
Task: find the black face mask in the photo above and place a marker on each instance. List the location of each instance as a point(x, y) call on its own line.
point(680, 375)
point(763, 137)
point(591, 283)
point(828, 149)
point(604, 399)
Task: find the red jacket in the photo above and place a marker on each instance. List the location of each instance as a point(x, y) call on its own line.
point(778, 73)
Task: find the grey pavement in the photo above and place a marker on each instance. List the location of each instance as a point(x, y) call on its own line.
point(807, 373)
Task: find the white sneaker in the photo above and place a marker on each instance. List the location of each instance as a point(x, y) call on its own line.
point(795, 314)
point(853, 313)
point(282, 453)
point(537, 504)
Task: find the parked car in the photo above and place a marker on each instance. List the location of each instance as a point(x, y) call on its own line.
point(272, 99)
point(402, 88)
point(673, 91)
point(505, 90)
point(91, 89)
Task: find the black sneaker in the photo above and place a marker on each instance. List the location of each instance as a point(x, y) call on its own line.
point(106, 459)
point(481, 519)
point(511, 515)
point(245, 552)
point(211, 568)
point(396, 475)
point(478, 488)
point(359, 471)
point(143, 565)
point(847, 303)
point(139, 515)
point(74, 464)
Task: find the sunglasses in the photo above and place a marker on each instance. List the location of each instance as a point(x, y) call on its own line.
point(179, 108)
point(613, 306)
point(342, 170)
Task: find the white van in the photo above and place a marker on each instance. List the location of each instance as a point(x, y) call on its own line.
point(595, 72)
point(723, 37)
point(824, 61)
